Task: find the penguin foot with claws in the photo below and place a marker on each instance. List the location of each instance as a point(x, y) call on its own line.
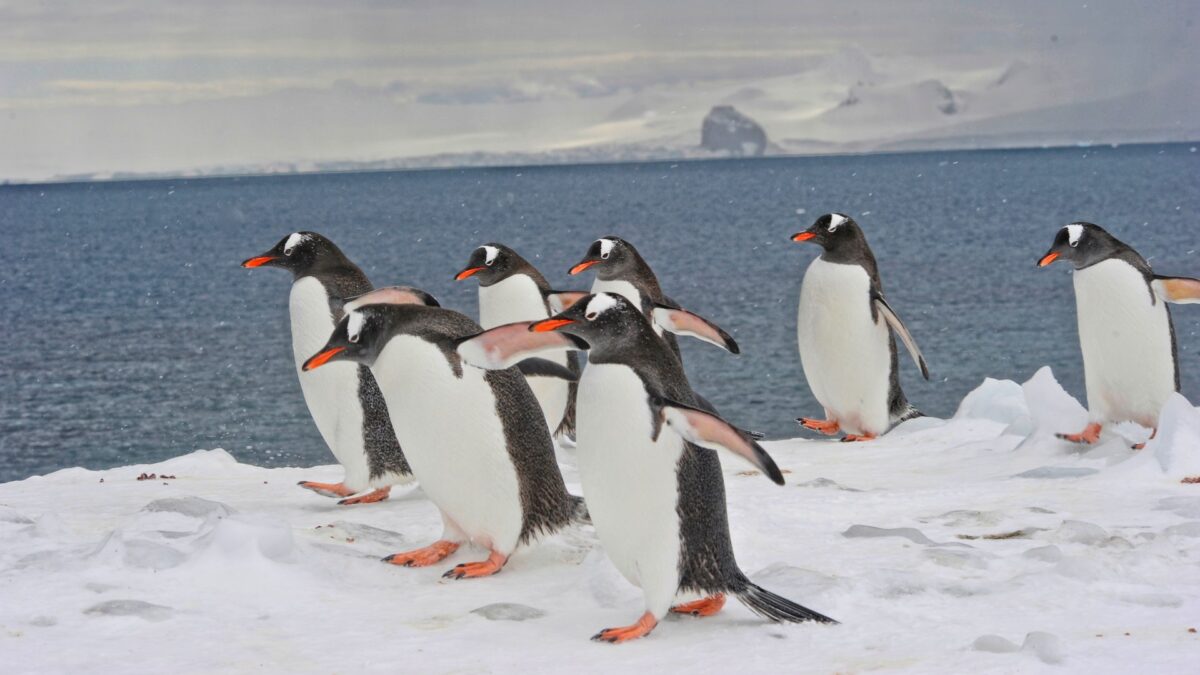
point(1142, 445)
point(1089, 435)
point(327, 489)
point(626, 633)
point(424, 557)
point(369, 498)
point(857, 438)
point(827, 427)
point(487, 568)
point(702, 607)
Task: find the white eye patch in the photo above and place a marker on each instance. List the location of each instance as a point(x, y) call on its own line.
point(600, 304)
point(354, 326)
point(293, 241)
point(835, 221)
point(606, 247)
point(1074, 232)
point(489, 254)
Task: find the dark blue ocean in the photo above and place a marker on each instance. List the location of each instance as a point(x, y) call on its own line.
point(130, 334)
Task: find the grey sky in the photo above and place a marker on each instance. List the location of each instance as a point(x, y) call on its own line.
point(161, 85)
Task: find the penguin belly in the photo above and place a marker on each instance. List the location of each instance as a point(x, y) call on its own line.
point(631, 482)
point(1128, 364)
point(844, 352)
point(330, 392)
point(518, 298)
point(454, 440)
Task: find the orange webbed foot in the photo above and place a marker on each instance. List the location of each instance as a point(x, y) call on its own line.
point(1089, 435)
point(857, 438)
point(827, 427)
point(487, 568)
point(369, 498)
point(702, 607)
point(423, 557)
point(626, 633)
point(327, 489)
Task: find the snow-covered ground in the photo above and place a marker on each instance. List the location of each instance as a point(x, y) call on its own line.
point(975, 544)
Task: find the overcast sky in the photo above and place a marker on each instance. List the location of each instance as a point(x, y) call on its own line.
point(152, 85)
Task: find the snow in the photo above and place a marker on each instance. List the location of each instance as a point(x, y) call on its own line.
point(976, 544)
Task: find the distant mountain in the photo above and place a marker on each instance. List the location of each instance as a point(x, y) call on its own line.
point(725, 130)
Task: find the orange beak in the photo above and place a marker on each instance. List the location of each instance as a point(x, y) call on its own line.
point(803, 236)
point(259, 261)
point(582, 266)
point(322, 358)
point(1047, 259)
point(548, 325)
point(467, 273)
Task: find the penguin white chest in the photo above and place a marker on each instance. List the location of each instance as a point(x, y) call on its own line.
point(1125, 336)
point(453, 437)
point(518, 298)
point(844, 351)
point(331, 392)
point(630, 482)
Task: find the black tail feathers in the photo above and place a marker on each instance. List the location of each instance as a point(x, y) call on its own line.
point(778, 609)
point(579, 511)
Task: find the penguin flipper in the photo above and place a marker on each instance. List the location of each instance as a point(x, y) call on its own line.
point(683, 322)
point(898, 326)
point(538, 367)
point(505, 346)
point(1180, 290)
point(391, 295)
point(561, 300)
point(709, 431)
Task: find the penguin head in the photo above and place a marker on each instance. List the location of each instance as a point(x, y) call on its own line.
point(611, 257)
point(300, 253)
point(1081, 244)
point(831, 231)
point(359, 337)
point(490, 264)
point(599, 319)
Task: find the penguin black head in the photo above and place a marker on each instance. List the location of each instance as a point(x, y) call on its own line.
point(612, 258)
point(1083, 245)
point(301, 253)
point(832, 231)
point(601, 320)
point(492, 263)
point(360, 336)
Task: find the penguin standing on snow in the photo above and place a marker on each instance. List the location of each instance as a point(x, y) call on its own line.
point(511, 290)
point(1130, 363)
point(646, 456)
point(845, 333)
point(621, 269)
point(476, 439)
point(344, 400)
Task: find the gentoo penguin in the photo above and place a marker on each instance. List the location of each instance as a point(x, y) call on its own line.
point(846, 348)
point(1130, 365)
point(511, 290)
point(656, 495)
point(344, 400)
point(476, 440)
point(621, 269)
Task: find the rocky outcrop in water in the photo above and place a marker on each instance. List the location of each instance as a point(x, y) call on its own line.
point(728, 131)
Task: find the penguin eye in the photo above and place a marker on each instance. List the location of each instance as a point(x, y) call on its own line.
point(489, 262)
point(604, 255)
point(591, 316)
point(833, 228)
point(354, 338)
point(289, 250)
point(1075, 244)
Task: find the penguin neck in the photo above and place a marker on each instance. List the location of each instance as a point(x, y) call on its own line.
point(853, 252)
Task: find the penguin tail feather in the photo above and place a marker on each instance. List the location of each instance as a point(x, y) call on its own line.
point(579, 511)
point(777, 608)
point(907, 413)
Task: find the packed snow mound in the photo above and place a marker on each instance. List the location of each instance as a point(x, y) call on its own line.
point(981, 543)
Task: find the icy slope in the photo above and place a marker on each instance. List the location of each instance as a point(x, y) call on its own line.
point(975, 544)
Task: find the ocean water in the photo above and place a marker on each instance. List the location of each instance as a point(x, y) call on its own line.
point(130, 334)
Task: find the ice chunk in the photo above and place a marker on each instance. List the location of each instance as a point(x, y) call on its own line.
point(194, 507)
point(1057, 472)
point(1046, 646)
point(1190, 529)
point(1050, 554)
point(1080, 532)
point(1000, 401)
point(995, 644)
point(139, 608)
point(508, 611)
point(1176, 447)
point(1051, 408)
point(910, 533)
point(1188, 507)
